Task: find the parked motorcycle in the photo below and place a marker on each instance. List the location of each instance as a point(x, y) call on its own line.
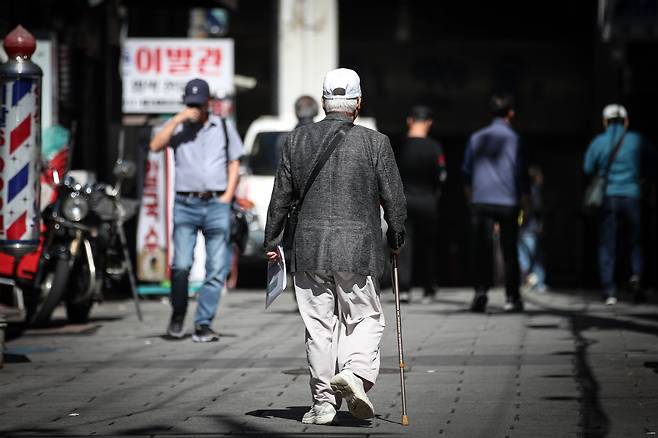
point(85, 248)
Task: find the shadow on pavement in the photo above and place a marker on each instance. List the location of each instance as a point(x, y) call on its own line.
point(150, 430)
point(188, 336)
point(594, 421)
point(251, 430)
point(295, 413)
point(61, 322)
point(64, 330)
point(648, 316)
point(16, 358)
point(285, 312)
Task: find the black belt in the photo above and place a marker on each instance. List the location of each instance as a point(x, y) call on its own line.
point(203, 195)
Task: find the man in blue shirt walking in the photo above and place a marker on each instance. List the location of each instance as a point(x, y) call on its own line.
point(622, 197)
point(205, 183)
point(496, 179)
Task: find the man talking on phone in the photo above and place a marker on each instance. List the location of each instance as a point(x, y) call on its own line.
point(205, 183)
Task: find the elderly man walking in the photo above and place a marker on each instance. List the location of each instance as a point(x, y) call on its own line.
point(336, 256)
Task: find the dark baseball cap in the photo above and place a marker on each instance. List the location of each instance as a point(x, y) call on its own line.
point(421, 113)
point(197, 92)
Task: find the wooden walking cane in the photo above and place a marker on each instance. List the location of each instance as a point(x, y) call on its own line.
point(398, 321)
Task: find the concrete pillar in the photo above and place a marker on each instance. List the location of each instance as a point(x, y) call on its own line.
point(307, 48)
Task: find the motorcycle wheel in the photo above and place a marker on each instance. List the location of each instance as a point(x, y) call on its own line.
point(60, 279)
point(78, 302)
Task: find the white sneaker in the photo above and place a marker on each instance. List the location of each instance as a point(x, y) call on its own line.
point(532, 280)
point(320, 413)
point(610, 301)
point(351, 388)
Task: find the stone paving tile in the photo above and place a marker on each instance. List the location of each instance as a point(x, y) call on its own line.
point(468, 375)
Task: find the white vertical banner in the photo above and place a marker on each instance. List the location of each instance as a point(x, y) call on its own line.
point(155, 225)
point(152, 227)
point(44, 57)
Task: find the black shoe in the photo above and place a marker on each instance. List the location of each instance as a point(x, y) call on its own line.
point(634, 283)
point(479, 303)
point(176, 328)
point(638, 294)
point(640, 297)
point(204, 333)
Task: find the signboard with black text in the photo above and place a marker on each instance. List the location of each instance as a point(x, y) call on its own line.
point(155, 71)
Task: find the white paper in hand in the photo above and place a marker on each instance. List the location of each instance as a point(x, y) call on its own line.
point(276, 278)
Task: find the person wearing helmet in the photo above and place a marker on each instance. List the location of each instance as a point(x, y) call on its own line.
point(622, 195)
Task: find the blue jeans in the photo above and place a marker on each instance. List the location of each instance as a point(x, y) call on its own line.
point(212, 217)
point(530, 256)
point(617, 209)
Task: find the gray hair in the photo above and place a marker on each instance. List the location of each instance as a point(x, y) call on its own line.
point(306, 107)
point(339, 105)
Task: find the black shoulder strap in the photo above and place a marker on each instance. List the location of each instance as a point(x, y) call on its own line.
point(613, 154)
point(338, 138)
point(225, 143)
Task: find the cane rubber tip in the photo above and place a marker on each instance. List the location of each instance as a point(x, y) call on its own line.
point(405, 420)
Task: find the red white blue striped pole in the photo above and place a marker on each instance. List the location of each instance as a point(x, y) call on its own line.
point(20, 145)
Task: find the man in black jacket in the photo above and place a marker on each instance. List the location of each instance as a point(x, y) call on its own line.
point(336, 256)
point(423, 171)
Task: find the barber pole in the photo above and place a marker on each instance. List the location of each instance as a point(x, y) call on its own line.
point(20, 145)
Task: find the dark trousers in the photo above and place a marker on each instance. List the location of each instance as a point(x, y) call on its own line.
point(618, 209)
point(420, 240)
point(483, 218)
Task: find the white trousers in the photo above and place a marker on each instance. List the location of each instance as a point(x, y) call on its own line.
point(344, 326)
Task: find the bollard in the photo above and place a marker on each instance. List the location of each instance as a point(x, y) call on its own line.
point(20, 145)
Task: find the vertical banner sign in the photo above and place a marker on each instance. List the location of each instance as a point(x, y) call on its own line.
point(45, 57)
point(154, 227)
point(155, 71)
point(152, 232)
point(20, 132)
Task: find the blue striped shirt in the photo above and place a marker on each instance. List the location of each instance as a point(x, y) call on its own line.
point(494, 166)
point(200, 153)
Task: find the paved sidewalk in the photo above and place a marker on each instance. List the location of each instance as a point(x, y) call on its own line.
point(567, 367)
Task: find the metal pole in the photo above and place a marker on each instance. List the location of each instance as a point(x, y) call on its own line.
point(129, 269)
point(398, 323)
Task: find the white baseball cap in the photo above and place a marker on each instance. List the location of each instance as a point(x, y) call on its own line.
point(614, 111)
point(341, 83)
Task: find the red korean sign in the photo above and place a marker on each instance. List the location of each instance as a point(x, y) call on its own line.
point(153, 225)
point(155, 71)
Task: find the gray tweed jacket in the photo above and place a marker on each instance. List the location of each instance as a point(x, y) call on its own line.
point(339, 226)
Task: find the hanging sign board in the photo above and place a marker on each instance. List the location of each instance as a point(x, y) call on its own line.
point(155, 71)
